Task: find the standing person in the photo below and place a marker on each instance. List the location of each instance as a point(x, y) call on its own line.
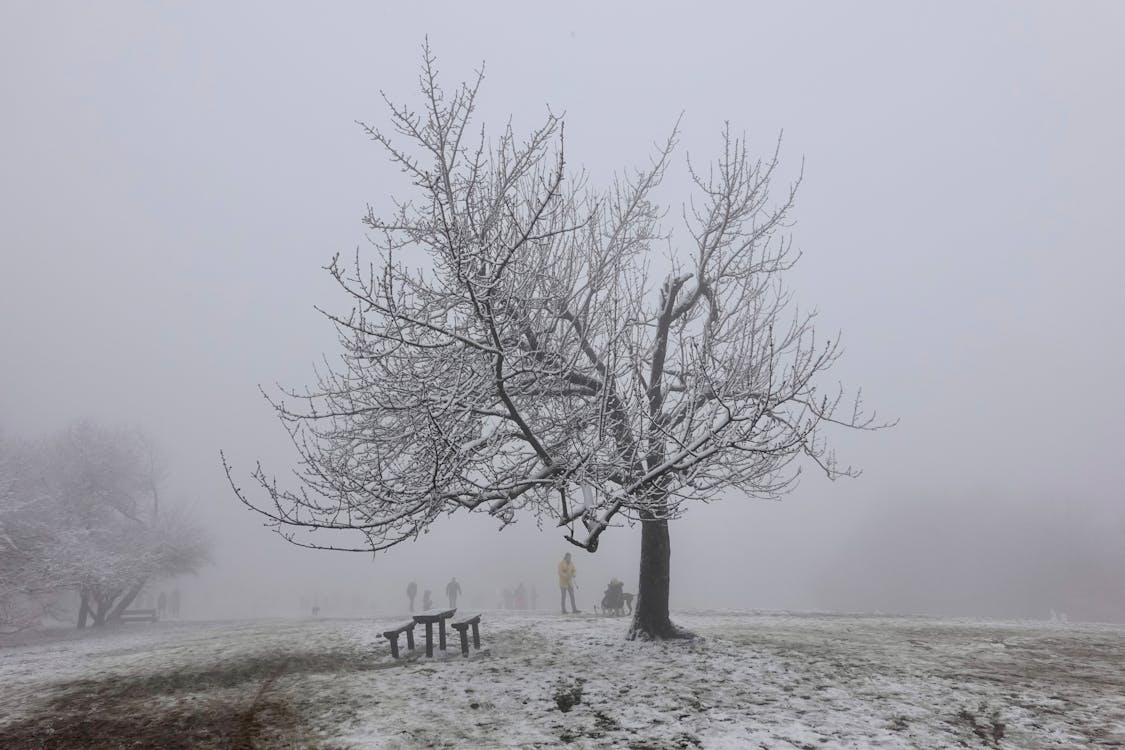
point(452, 590)
point(161, 604)
point(427, 602)
point(567, 574)
point(411, 592)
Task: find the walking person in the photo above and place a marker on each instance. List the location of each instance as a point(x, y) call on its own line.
point(567, 574)
point(452, 590)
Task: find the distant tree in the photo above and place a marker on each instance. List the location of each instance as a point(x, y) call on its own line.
point(76, 515)
point(25, 533)
point(509, 343)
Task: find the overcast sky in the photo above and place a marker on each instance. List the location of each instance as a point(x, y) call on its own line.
point(175, 176)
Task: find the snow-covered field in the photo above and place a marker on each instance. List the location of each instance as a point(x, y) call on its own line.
point(748, 681)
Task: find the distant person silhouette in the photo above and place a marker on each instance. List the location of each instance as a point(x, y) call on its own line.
point(427, 602)
point(452, 589)
point(161, 604)
point(411, 592)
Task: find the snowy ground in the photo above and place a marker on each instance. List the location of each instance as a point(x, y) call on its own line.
point(748, 681)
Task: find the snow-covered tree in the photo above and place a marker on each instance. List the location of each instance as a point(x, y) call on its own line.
point(77, 512)
point(509, 343)
point(25, 534)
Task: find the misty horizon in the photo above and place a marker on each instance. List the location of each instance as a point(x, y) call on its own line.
point(179, 177)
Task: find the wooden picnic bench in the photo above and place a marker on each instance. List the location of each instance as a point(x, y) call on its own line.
point(138, 615)
point(428, 619)
point(462, 627)
point(393, 634)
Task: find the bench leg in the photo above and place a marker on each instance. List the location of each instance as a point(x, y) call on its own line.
point(394, 646)
point(429, 639)
point(464, 641)
point(410, 639)
point(476, 637)
point(441, 635)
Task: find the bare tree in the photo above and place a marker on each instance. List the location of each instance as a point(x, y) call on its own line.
point(509, 344)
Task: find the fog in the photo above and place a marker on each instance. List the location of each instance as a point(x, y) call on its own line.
point(177, 175)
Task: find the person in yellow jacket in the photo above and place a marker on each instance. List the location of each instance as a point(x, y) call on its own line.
point(567, 574)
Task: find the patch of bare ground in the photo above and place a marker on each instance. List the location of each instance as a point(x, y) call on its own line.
point(231, 705)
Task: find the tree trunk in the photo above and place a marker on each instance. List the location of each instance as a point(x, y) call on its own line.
point(650, 618)
point(103, 602)
point(83, 608)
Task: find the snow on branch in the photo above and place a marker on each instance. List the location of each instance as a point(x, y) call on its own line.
point(508, 343)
